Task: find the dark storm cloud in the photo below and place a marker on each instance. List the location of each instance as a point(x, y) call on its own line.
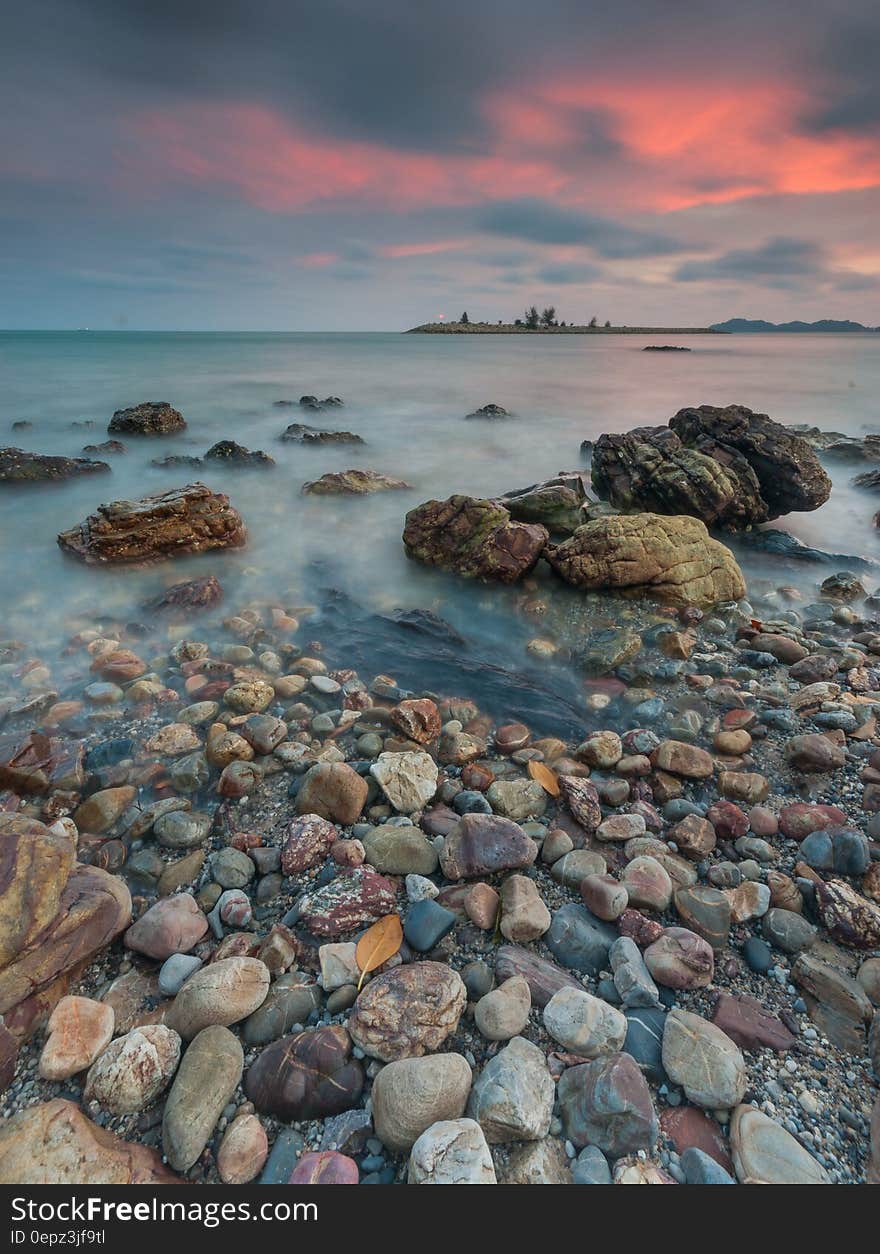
point(849, 60)
point(540, 222)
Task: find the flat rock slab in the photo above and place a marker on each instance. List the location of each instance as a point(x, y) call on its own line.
point(192, 519)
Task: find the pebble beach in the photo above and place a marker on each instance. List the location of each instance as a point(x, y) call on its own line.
point(287, 902)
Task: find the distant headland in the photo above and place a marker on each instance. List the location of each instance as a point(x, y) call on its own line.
point(738, 325)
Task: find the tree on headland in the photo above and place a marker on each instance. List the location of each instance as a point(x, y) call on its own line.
point(594, 321)
point(608, 322)
point(548, 317)
point(464, 319)
point(532, 318)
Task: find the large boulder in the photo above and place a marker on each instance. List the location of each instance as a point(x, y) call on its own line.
point(19, 466)
point(673, 560)
point(788, 471)
point(191, 519)
point(473, 537)
point(148, 418)
point(650, 469)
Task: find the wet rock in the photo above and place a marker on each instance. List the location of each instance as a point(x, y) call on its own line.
point(18, 466)
point(36, 866)
point(302, 433)
point(306, 842)
point(353, 483)
point(93, 909)
point(192, 519)
point(473, 537)
point(483, 844)
point(354, 897)
point(407, 1011)
point(400, 850)
point(174, 925)
point(672, 560)
point(332, 790)
point(789, 474)
point(408, 780)
point(201, 593)
point(650, 468)
point(148, 418)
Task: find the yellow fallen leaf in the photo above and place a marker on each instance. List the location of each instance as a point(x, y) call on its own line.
point(548, 779)
point(379, 943)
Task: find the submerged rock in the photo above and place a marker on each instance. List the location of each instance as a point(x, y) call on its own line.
point(473, 537)
point(192, 519)
point(353, 483)
point(148, 418)
point(18, 466)
point(302, 433)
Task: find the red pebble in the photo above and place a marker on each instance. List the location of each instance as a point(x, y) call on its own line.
point(326, 1167)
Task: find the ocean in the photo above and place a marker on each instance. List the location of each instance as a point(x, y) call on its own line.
point(407, 396)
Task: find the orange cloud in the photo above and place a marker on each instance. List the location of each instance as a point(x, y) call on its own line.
point(648, 145)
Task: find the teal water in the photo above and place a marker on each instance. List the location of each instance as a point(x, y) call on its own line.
point(407, 396)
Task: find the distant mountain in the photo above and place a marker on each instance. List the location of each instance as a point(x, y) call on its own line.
point(757, 324)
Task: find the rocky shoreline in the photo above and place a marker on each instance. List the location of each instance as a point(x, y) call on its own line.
point(267, 917)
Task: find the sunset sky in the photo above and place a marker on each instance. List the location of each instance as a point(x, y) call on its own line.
point(371, 164)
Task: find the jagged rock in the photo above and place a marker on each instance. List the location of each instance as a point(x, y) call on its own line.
point(556, 503)
point(353, 483)
point(238, 455)
point(302, 433)
point(650, 469)
point(673, 560)
point(788, 471)
point(473, 537)
point(19, 466)
point(201, 593)
point(192, 519)
point(148, 418)
point(36, 866)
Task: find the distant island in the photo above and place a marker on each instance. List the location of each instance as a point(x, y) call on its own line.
point(571, 328)
point(737, 325)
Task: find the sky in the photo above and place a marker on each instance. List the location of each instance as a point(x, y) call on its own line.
point(374, 164)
